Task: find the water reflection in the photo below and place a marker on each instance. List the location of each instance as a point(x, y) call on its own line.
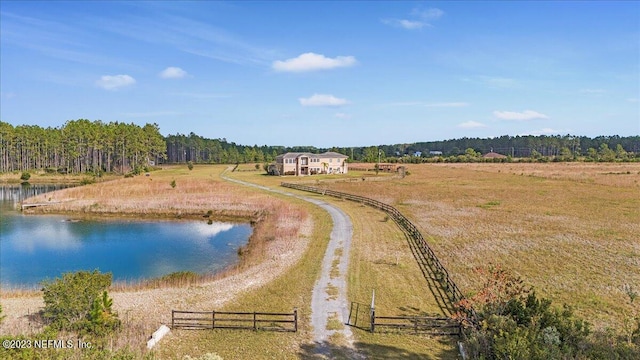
point(13, 194)
point(35, 247)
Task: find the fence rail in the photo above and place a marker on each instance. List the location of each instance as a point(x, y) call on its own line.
point(416, 324)
point(193, 320)
point(441, 274)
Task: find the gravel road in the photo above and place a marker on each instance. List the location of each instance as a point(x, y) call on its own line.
point(329, 297)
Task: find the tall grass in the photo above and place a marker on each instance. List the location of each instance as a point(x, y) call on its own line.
point(575, 241)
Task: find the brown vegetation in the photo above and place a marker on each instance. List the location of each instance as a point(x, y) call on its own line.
point(570, 230)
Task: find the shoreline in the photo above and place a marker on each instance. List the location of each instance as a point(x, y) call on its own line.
point(280, 237)
point(147, 307)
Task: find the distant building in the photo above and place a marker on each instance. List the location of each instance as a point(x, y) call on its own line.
point(301, 164)
point(438, 153)
point(417, 153)
point(493, 155)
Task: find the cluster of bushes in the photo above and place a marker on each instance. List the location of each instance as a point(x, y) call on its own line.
point(512, 322)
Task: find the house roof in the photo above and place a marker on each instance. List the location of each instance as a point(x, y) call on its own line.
point(331, 154)
point(493, 155)
point(326, 155)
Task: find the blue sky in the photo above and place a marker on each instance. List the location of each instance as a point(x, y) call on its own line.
point(325, 73)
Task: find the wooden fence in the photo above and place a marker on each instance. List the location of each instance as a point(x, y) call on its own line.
point(439, 326)
point(193, 320)
point(441, 274)
point(364, 317)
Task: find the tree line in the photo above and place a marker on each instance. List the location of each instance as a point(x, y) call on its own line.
point(84, 146)
point(80, 146)
point(540, 148)
point(194, 148)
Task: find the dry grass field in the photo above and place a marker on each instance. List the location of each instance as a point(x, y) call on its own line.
point(570, 230)
point(196, 192)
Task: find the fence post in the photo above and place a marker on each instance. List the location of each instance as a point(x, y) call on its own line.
point(255, 325)
point(173, 316)
point(373, 320)
point(357, 310)
point(295, 319)
point(213, 319)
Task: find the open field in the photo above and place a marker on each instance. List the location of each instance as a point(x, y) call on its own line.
point(570, 230)
point(562, 227)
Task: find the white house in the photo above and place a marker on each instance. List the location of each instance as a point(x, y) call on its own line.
point(300, 164)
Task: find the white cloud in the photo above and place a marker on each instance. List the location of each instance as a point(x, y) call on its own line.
point(342, 116)
point(114, 82)
point(447, 104)
point(471, 125)
point(312, 62)
point(322, 100)
point(519, 116)
point(173, 73)
point(404, 23)
point(421, 18)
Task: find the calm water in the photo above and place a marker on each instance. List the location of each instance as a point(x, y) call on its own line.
point(36, 247)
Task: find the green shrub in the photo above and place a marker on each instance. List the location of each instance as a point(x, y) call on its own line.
point(25, 176)
point(513, 323)
point(79, 302)
point(87, 181)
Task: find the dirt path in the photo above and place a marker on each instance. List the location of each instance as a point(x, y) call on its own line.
point(329, 307)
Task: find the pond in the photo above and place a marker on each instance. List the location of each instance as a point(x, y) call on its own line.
point(38, 247)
